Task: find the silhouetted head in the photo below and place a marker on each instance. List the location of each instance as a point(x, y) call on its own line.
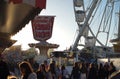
point(4, 70)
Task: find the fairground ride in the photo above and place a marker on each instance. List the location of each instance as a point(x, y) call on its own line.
point(97, 22)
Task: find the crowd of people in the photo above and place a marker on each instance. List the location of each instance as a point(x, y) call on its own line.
point(92, 70)
point(80, 70)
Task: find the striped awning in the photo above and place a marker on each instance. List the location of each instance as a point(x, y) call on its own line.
point(35, 3)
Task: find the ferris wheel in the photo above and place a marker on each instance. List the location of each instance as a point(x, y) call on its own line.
point(96, 20)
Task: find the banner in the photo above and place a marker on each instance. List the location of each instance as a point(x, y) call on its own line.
point(35, 3)
point(42, 27)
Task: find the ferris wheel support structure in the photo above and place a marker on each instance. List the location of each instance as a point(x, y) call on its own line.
point(74, 47)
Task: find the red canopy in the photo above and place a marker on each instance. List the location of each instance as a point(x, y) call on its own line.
point(35, 3)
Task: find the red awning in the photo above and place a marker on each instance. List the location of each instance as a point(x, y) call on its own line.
point(35, 3)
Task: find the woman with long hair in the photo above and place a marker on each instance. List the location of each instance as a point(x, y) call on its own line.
point(27, 70)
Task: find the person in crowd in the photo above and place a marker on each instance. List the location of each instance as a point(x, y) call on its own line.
point(92, 74)
point(101, 72)
point(46, 65)
point(106, 68)
point(75, 74)
point(34, 64)
point(83, 71)
point(64, 73)
point(27, 71)
point(87, 66)
point(58, 72)
point(41, 73)
point(112, 68)
point(51, 72)
point(4, 70)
